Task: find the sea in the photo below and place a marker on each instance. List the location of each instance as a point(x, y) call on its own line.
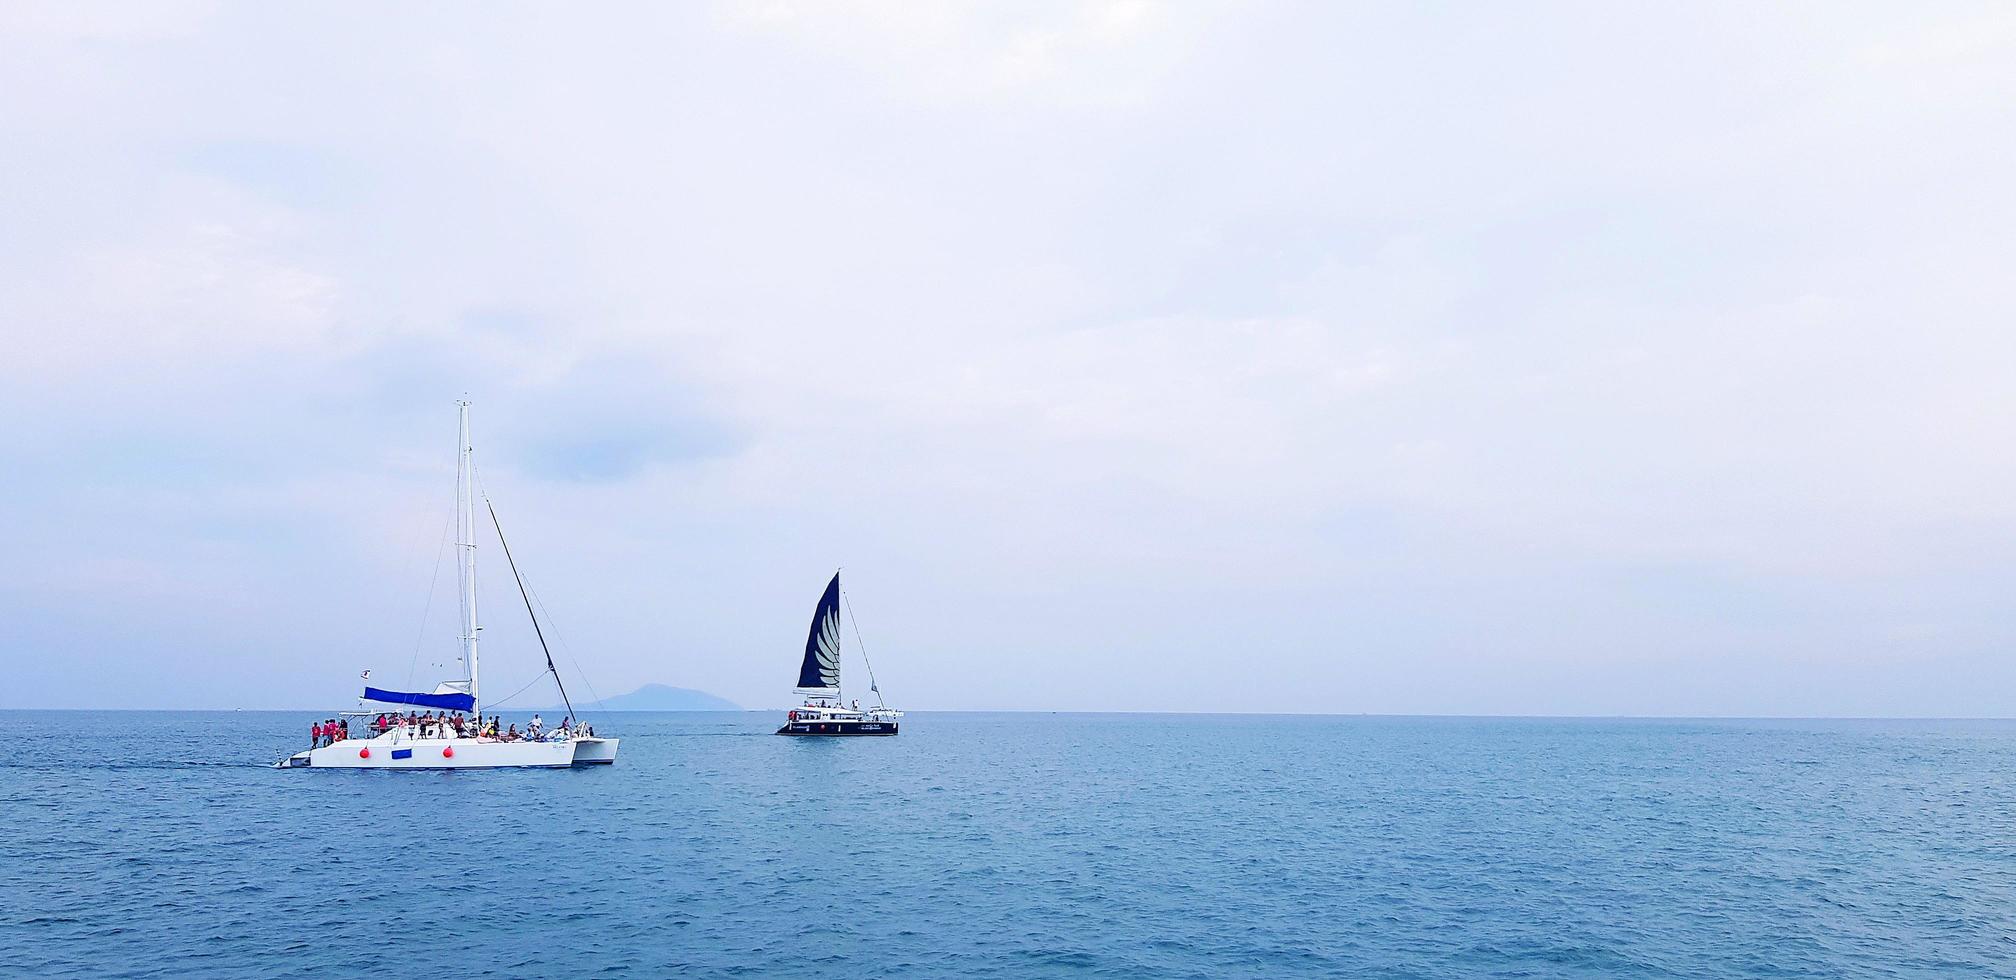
point(146, 844)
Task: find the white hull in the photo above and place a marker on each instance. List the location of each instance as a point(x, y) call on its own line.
point(394, 751)
point(595, 751)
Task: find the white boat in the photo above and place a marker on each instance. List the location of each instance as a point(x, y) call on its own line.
point(825, 712)
point(435, 744)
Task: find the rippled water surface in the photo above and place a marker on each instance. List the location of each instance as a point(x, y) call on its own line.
point(996, 845)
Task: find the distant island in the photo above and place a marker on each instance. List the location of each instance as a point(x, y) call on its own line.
point(661, 697)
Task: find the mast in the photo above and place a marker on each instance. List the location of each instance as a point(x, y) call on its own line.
point(465, 540)
point(527, 596)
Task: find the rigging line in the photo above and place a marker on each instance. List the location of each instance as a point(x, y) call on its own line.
point(561, 638)
point(527, 596)
point(877, 688)
point(426, 610)
point(527, 687)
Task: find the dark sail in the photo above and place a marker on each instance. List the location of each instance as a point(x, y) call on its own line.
point(821, 669)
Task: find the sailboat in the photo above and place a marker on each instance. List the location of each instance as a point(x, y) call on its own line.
point(436, 743)
point(824, 711)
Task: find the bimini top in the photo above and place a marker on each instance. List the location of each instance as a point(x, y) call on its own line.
point(820, 673)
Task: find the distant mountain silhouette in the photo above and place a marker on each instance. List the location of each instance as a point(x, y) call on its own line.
point(660, 697)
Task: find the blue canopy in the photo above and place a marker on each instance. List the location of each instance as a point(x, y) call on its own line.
point(446, 702)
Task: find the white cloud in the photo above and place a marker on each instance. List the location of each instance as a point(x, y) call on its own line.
point(1523, 346)
point(1107, 54)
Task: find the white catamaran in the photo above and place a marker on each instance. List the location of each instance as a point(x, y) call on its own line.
point(824, 712)
point(440, 741)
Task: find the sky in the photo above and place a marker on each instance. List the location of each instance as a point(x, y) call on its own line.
point(1556, 358)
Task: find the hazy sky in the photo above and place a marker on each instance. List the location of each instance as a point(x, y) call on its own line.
point(1576, 358)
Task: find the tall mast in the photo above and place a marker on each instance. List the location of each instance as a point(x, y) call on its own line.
point(465, 540)
point(526, 595)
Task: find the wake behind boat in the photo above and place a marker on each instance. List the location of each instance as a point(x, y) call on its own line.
point(824, 711)
point(443, 738)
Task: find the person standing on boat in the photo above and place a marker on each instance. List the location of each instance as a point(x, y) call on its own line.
point(536, 725)
point(315, 735)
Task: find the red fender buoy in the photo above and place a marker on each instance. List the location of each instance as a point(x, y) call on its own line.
point(363, 753)
point(448, 752)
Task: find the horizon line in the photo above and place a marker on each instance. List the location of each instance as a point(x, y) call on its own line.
point(1143, 711)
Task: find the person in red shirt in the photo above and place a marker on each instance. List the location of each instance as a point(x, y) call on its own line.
point(315, 736)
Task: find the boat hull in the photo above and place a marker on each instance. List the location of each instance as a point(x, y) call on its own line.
point(390, 752)
point(595, 751)
point(837, 728)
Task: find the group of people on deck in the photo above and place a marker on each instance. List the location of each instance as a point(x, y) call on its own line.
point(328, 733)
point(444, 724)
point(425, 724)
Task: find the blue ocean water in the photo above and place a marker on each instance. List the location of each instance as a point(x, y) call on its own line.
point(1017, 845)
